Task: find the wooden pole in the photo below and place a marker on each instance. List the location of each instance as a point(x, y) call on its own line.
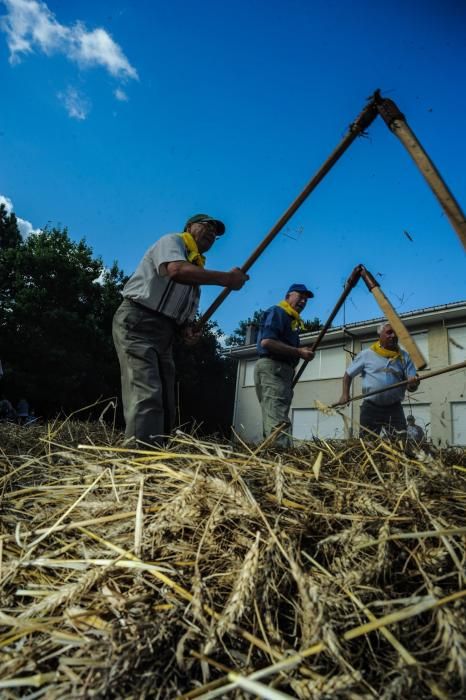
point(427, 375)
point(397, 124)
point(349, 285)
point(394, 320)
point(361, 123)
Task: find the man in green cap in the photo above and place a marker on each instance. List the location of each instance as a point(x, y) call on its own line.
point(161, 297)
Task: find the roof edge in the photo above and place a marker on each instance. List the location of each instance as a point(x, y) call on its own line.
point(360, 328)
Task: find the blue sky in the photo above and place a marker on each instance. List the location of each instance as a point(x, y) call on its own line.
point(121, 119)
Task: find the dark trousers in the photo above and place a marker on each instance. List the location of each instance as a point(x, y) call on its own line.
point(374, 417)
point(144, 344)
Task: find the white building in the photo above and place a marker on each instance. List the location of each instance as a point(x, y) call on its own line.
point(439, 405)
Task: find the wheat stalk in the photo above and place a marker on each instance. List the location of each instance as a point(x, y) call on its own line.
point(242, 589)
point(66, 595)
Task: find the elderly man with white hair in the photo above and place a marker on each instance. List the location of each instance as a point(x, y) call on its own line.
point(381, 365)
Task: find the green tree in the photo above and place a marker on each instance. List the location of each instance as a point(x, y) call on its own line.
point(205, 383)
point(10, 236)
point(238, 337)
point(309, 326)
point(55, 323)
point(10, 244)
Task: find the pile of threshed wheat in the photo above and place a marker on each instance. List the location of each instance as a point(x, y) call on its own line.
point(210, 569)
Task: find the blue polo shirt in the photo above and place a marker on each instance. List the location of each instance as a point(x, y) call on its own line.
point(276, 325)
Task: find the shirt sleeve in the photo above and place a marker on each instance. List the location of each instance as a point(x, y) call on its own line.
point(168, 249)
point(272, 325)
point(357, 365)
point(408, 365)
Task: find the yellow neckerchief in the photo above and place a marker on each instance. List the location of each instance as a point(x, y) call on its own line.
point(383, 352)
point(194, 256)
point(297, 321)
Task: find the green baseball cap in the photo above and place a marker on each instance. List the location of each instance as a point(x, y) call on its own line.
point(201, 218)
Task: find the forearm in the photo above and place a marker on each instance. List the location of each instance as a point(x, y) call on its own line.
point(347, 380)
point(187, 273)
point(277, 347)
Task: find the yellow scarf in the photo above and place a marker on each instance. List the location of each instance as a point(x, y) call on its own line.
point(194, 255)
point(383, 352)
point(297, 321)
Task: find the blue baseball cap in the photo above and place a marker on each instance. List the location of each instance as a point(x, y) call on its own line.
point(302, 289)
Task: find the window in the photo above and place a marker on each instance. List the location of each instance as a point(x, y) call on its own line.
point(249, 373)
point(329, 363)
point(422, 341)
point(458, 423)
point(309, 423)
point(457, 344)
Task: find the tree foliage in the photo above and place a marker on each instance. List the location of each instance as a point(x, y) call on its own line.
point(238, 337)
point(205, 382)
point(10, 240)
point(55, 321)
point(311, 325)
point(10, 236)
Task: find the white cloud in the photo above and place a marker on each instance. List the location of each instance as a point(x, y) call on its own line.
point(6, 201)
point(121, 95)
point(222, 339)
point(98, 48)
point(103, 274)
point(25, 227)
point(29, 25)
point(76, 104)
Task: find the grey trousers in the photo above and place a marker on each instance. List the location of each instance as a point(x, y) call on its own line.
point(274, 389)
point(144, 344)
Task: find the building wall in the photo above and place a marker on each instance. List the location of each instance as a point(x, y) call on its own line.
point(439, 405)
point(247, 419)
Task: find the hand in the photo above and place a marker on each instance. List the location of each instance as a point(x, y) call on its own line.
point(306, 354)
point(413, 383)
point(237, 278)
point(344, 399)
point(191, 335)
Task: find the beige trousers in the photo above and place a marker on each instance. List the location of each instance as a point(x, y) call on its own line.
point(144, 344)
point(274, 389)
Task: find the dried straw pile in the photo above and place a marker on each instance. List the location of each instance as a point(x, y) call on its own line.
point(335, 571)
